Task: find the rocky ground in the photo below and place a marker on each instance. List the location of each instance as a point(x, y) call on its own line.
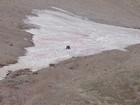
point(108, 78)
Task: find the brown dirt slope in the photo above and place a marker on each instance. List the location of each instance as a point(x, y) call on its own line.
point(109, 78)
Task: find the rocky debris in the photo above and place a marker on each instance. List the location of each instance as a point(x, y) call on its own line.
point(35, 72)
point(51, 65)
point(8, 62)
point(1, 65)
point(11, 44)
point(15, 74)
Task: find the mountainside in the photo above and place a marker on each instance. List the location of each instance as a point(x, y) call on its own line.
point(116, 12)
point(108, 78)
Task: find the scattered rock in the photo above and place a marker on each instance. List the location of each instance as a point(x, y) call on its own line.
point(22, 26)
point(35, 72)
point(11, 44)
point(1, 65)
point(52, 65)
point(11, 62)
point(137, 28)
point(15, 74)
point(49, 86)
point(87, 64)
point(71, 67)
point(105, 69)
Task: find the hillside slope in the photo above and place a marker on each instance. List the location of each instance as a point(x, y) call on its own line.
point(109, 78)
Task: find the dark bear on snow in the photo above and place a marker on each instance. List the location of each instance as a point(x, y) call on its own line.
point(68, 47)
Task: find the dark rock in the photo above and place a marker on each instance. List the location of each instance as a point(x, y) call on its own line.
point(1, 65)
point(52, 65)
point(35, 72)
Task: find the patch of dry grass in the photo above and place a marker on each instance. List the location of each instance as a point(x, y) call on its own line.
point(121, 89)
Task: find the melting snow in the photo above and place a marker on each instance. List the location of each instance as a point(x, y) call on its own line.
point(59, 28)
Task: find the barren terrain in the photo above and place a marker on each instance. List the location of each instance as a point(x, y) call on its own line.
point(108, 78)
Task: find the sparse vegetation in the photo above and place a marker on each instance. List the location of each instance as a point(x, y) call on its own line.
point(122, 90)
